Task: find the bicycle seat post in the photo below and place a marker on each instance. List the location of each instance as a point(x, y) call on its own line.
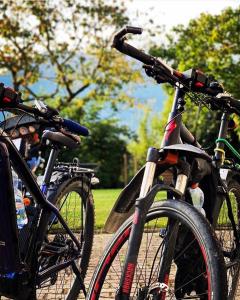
point(49, 168)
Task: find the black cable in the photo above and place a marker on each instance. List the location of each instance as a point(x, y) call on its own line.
point(177, 115)
point(14, 128)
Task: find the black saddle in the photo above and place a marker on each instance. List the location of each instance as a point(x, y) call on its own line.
point(62, 138)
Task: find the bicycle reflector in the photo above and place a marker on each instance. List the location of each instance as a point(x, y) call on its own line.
point(8, 97)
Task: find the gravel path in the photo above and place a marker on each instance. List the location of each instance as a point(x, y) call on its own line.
point(100, 242)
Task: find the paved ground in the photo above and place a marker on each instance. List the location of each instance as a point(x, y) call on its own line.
point(100, 242)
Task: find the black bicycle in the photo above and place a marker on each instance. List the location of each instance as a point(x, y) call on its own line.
point(168, 249)
point(49, 256)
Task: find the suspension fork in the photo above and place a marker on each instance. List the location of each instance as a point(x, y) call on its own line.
point(141, 209)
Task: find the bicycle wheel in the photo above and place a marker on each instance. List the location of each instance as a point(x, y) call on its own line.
point(196, 270)
point(226, 237)
point(74, 199)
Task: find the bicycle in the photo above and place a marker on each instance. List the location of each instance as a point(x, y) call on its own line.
point(56, 243)
point(168, 250)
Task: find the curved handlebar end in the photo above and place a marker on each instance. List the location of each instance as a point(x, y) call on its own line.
point(119, 37)
point(134, 30)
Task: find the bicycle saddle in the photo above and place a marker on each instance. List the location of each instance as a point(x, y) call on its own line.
point(62, 138)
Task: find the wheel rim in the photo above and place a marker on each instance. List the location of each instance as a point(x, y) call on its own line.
point(145, 283)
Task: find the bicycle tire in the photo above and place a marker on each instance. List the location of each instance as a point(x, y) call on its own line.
point(101, 287)
point(226, 236)
point(77, 187)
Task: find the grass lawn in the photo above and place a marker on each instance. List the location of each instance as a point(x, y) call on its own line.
point(104, 200)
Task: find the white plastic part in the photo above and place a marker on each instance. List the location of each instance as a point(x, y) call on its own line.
point(197, 196)
point(20, 207)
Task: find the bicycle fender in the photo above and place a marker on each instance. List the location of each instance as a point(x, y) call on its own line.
point(190, 150)
point(125, 203)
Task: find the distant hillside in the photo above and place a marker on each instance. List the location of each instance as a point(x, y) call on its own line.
point(149, 94)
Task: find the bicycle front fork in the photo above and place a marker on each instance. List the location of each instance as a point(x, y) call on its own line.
point(149, 173)
point(141, 208)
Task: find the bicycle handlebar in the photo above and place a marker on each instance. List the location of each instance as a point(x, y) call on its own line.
point(194, 80)
point(167, 73)
point(225, 101)
point(235, 103)
point(128, 29)
point(120, 44)
point(74, 127)
point(51, 118)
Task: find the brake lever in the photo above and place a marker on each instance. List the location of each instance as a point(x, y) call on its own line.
point(153, 71)
point(42, 107)
point(45, 109)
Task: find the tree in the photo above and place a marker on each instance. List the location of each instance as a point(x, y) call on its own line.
point(210, 43)
point(148, 135)
point(65, 44)
point(104, 147)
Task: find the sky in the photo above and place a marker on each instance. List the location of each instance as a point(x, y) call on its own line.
point(167, 13)
point(173, 12)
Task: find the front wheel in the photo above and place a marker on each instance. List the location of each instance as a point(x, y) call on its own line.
point(195, 271)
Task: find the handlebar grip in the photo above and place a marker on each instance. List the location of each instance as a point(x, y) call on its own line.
point(122, 46)
point(135, 53)
point(74, 127)
point(134, 30)
point(128, 29)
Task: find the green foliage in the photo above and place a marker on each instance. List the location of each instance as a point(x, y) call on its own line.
point(149, 134)
point(210, 43)
point(105, 147)
point(65, 42)
point(104, 200)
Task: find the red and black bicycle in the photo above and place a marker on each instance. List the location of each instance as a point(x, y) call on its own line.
point(168, 249)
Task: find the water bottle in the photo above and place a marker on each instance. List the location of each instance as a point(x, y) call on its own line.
point(40, 180)
point(197, 196)
point(20, 207)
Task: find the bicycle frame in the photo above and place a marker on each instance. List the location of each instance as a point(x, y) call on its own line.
point(176, 136)
point(143, 203)
point(46, 208)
